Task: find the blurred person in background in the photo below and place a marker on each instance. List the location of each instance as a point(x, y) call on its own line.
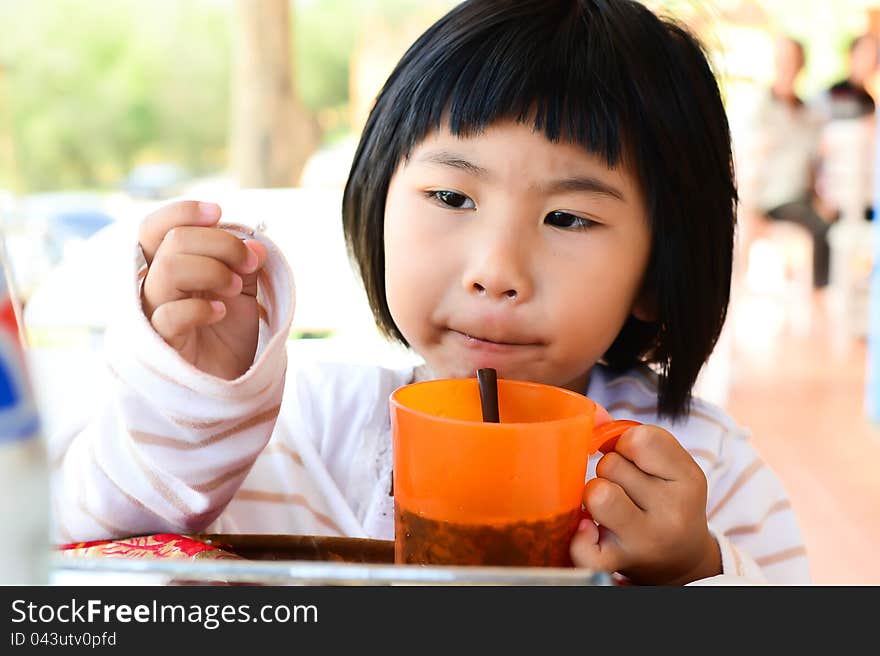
point(846, 145)
point(849, 97)
point(780, 160)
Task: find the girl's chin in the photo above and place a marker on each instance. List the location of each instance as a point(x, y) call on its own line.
point(466, 372)
point(437, 370)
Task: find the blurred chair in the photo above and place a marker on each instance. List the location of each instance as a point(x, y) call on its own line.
point(846, 183)
point(778, 264)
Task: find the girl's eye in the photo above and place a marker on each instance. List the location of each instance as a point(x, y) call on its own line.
point(565, 220)
point(452, 199)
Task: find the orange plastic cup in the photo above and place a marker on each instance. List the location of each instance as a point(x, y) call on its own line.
point(468, 492)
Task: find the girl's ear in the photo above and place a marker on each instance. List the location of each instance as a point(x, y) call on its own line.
point(645, 307)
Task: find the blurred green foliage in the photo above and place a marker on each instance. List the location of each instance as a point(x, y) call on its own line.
point(326, 35)
point(93, 88)
point(90, 89)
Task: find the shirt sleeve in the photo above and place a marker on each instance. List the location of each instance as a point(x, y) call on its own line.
point(747, 509)
point(170, 445)
point(752, 518)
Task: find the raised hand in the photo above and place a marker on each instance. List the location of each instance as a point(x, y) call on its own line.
point(649, 501)
point(200, 293)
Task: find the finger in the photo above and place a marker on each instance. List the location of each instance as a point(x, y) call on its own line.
point(212, 242)
point(177, 276)
point(640, 487)
point(611, 507)
point(259, 249)
point(654, 451)
point(178, 318)
point(250, 280)
point(591, 530)
point(182, 213)
point(602, 416)
point(598, 549)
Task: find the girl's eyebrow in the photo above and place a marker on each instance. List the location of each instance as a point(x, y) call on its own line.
point(583, 184)
point(447, 158)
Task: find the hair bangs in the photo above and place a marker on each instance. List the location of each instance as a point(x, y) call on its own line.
point(559, 76)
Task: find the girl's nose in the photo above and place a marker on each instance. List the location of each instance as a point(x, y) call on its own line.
point(497, 270)
point(482, 291)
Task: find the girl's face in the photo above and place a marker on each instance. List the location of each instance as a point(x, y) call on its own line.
point(508, 251)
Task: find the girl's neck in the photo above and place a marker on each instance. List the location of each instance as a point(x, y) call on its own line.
point(423, 372)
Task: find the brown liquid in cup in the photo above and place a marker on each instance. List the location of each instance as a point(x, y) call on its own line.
point(524, 544)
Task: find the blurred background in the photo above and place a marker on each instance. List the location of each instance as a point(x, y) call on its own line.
point(108, 109)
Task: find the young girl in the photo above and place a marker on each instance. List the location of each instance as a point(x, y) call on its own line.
point(543, 187)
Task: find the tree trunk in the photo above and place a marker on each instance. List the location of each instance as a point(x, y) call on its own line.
point(272, 135)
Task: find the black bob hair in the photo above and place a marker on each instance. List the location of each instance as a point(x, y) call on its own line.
point(612, 77)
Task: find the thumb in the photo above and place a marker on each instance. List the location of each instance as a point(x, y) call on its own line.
point(602, 416)
point(596, 548)
point(259, 249)
point(249, 281)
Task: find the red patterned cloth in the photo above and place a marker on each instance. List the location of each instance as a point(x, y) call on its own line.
point(161, 545)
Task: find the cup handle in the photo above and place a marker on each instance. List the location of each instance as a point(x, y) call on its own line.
point(605, 436)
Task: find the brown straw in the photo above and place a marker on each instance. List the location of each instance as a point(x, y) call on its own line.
point(488, 381)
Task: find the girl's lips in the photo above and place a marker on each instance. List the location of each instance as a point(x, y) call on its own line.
point(478, 343)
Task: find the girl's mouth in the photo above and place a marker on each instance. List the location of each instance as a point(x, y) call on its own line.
point(489, 341)
point(494, 343)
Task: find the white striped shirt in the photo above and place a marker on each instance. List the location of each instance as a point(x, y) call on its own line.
point(307, 449)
